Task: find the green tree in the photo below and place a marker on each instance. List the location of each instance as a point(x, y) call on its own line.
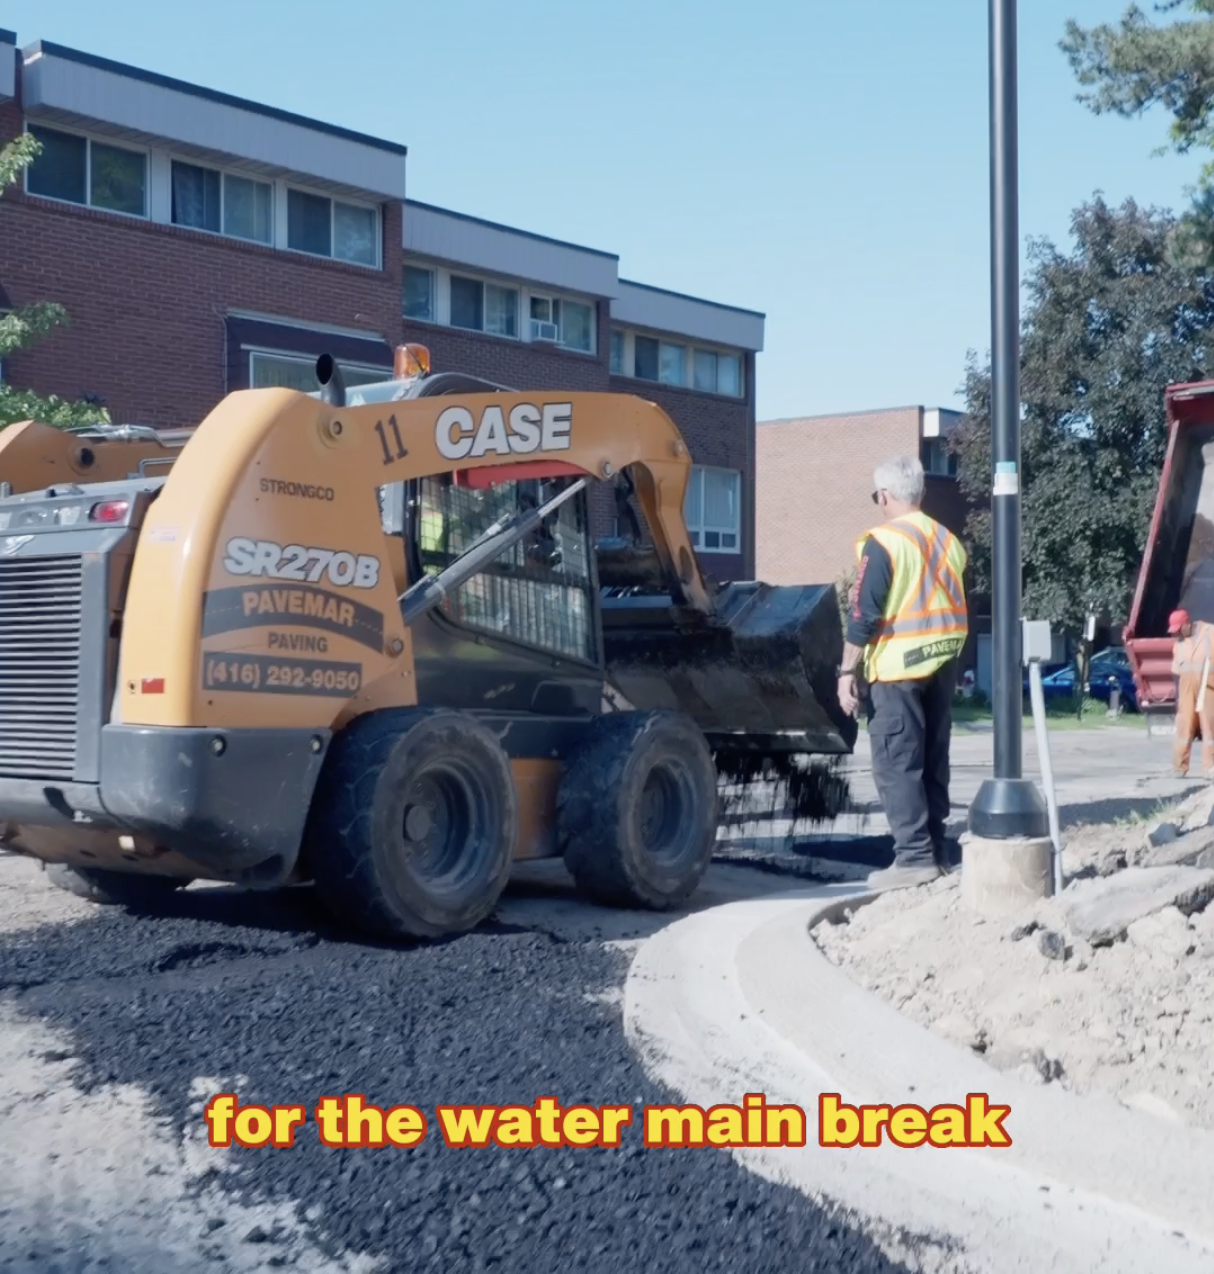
point(30, 323)
point(1106, 329)
point(1135, 65)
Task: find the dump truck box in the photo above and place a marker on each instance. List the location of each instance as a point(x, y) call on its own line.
point(1178, 562)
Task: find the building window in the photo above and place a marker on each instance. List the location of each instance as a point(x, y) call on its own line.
point(325, 228)
point(708, 371)
point(298, 372)
point(729, 375)
point(713, 509)
point(419, 294)
point(564, 322)
point(205, 199)
point(938, 459)
point(716, 372)
point(672, 364)
point(501, 310)
point(96, 174)
point(247, 209)
point(483, 307)
point(659, 360)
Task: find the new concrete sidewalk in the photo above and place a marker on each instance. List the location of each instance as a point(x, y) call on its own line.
point(739, 999)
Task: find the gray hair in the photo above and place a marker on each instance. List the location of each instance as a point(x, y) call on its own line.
point(902, 477)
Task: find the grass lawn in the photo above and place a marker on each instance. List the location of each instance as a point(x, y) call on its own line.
point(1059, 715)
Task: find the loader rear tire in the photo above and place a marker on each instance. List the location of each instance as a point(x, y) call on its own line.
point(413, 824)
point(637, 810)
point(113, 888)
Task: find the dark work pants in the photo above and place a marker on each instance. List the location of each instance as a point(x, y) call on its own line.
point(909, 725)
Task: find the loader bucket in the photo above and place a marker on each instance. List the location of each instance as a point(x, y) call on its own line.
point(759, 676)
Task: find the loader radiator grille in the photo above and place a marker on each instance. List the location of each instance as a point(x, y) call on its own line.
point(40, 622)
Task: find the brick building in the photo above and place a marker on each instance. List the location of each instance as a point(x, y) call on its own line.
point(814, 491)
point(202, 244)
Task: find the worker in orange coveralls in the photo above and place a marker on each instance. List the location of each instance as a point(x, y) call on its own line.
point(1189, 661)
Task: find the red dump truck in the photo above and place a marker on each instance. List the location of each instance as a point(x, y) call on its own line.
point(1178, 563)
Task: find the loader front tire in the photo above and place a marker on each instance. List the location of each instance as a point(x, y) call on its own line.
point(637, 810)
point(412, 828)
point(113, 888)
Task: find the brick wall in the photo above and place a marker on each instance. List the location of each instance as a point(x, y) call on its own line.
point(147, 302)
point(150, 336)
point(814, 487)
point(718, 432)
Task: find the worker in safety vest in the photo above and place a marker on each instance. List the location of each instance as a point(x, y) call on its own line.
point(906, 628)
point(1193, 649)
point(431, 533)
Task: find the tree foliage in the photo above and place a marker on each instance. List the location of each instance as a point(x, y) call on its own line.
point(30, 323)
point(1106, 329)
point(1135, 65)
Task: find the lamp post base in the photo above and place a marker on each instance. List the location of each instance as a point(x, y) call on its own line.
point(1008, 808)
point(1006, 876)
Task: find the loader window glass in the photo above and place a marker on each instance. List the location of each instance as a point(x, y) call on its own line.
point(540, 590)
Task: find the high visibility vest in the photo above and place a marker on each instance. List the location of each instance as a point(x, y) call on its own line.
point(925, 621)
point(431, 531)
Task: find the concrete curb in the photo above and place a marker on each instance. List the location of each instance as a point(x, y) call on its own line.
point(739, 999)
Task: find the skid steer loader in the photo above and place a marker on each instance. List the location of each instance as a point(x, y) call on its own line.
point(35, 456)
point(364, 639)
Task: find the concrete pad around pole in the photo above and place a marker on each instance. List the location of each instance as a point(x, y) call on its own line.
point(1000, 877)
point(740, 999)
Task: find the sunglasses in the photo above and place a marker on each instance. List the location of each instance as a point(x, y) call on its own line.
point(876, 497)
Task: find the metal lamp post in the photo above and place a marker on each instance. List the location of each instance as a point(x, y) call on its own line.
point(1007, 805)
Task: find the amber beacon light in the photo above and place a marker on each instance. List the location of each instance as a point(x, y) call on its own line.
point(410, 361)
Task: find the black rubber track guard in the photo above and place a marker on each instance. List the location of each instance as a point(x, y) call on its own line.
point(637, 810)
point(380, 865)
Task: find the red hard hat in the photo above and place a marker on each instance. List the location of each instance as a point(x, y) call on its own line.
point(1177, 620)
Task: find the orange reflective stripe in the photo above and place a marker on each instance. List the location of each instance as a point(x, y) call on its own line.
point(937, 573)
point(937, 622)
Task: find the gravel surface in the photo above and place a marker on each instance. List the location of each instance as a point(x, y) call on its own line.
point(123, 1025)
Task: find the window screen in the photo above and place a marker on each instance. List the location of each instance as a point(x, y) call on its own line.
point(540, 590)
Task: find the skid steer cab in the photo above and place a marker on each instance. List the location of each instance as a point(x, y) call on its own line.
point(364, 638)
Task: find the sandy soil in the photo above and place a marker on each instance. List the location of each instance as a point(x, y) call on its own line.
point(1135, 1018)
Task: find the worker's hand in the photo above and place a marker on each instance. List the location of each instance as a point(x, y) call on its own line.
point(849, 696)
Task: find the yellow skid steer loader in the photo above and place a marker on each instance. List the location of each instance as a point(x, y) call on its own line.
point(34, 456)
point(364, 638)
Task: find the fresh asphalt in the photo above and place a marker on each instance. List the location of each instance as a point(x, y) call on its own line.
point(262, 986)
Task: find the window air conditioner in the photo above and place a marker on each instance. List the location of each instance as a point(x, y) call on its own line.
point(541, 331)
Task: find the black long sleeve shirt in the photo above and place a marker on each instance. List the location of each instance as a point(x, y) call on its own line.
point(875, 576)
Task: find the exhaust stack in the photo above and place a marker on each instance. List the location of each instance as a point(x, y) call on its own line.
point(332, 383)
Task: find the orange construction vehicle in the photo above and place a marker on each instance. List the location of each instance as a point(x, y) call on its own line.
point(365, 639)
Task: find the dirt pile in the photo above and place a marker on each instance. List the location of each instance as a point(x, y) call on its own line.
point(1109, 986)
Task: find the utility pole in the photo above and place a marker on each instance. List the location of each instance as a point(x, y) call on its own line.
point(1008, 807)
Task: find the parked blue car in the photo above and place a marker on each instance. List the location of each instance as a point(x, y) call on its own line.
point(1109, 668)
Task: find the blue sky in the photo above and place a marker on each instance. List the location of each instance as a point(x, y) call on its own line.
point(824, 163)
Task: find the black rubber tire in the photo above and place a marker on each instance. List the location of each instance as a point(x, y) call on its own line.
point(114, 888)
point(637, 810)
point(381, 769)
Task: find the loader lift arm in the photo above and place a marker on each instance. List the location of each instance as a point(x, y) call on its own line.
point(255, 466)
